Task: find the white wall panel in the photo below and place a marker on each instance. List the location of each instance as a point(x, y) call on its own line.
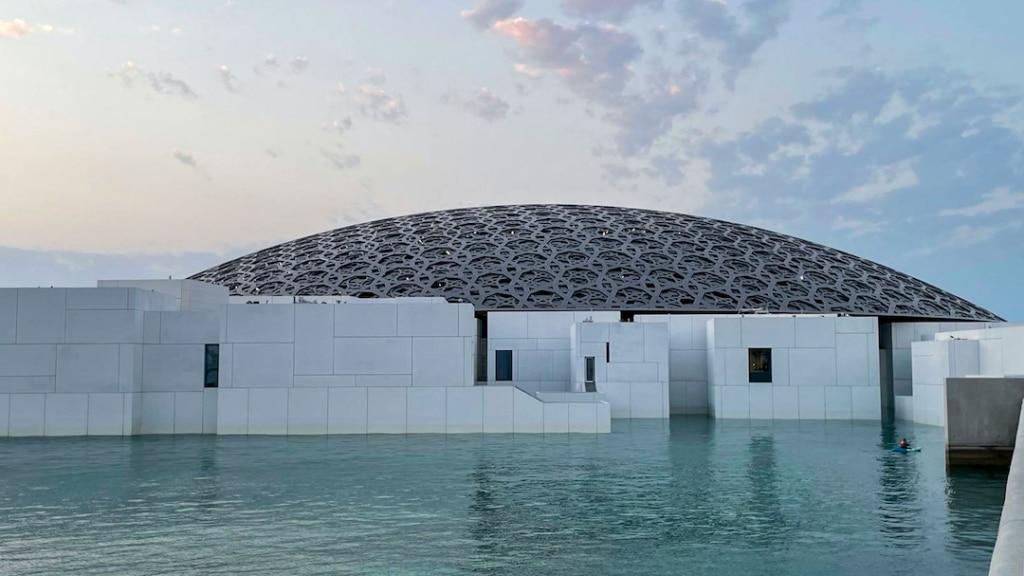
point(767, 332)
point(583, 417)
point(838, 403)
point(268, 411)
point(104, 326)
point(261, 322)
point(41, 315)
point(506, 325)
point(346, 411)
point(157, 413)
point(812, 402)
point(385, 410)
point(314, 339)
point(857, 324)
point(465, 409)
point(28, 360)
point(627, 342)
point(172, 367)
point(27, 415)
point(815, 332)
point(761, 399)
point(105, 414)
point(812, 367)
point(372, 355)
point(67, 414)
point(262, 366)
point(647, 400)
point(498, 409)
point(426, 410)
point(8, 315)
point(88, 367)
point(384, 380)
point(188, 412)
point(865, 403)
point(427, 319)
point(556, 418)
point(543, 324)
point(438, 361)
point(188, 327)
point(307, 410)
point(97, 298)
point(785, 403)
point(233, 411)
point(735, 402)
point(852, 360)
point(528, 412)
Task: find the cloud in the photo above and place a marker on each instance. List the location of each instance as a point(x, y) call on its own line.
point(161, 83)
point(667, 168)
point(483, 104)
point(884, 180)
point(856, 227)
point(485, 14)
point(969, 235)
point(298, 64)
point(738, 32)
point(340, 159)
point(374, 101)
point(14, 28)
point(18, 28)
point(998, 200)
point(186, 159)
point(227, 78)
point(339, 127)
point(608, 10)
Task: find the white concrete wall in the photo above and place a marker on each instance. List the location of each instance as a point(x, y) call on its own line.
point(823, 367)
point(688, 374)
point(631, 365)
point(932, 362)
point(540, 344)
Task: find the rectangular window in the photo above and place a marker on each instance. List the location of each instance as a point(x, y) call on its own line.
point(211, 371)
point(590, 383)
point(503, 365)
point(759, 364)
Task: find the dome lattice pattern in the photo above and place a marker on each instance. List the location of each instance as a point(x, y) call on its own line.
point(562, 257)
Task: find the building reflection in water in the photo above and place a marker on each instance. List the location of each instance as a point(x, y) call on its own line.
point(899, 507)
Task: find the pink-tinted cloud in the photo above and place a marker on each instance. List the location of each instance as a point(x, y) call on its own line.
point(485, 14)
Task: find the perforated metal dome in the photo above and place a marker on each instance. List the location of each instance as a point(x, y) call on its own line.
point(564, 257)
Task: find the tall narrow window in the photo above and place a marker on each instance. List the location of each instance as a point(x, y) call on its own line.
point(503, 365)
point(590, 383)
point(759, 363)
point(211, 372)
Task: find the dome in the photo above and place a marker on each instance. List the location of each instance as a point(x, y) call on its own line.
point(569, 257)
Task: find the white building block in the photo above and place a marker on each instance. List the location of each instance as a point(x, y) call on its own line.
point(626, 342)
point(856, 324)
point(467, 320)
point(8, 315)
point(785, 403)
point(838, 403)
point(815, 332)
point(27, 415)
point(27, 384)
point(151, 327)
point(261, 323)
point(598, 332)
point(307, 410)
point(173, 367)
point(41, 315)
point(736, 370)
point(385, 410)
point(735, 402)
point(324, 381)
point(465, 409)
point(421, 319)
point(383, 380)
point(501, 325)
point(604, 417)
point(372, 355)
point(210, 398)
point(67, 414)
point(233, 411)
point(655, 342)
point(438, 361)
point(780, 367)
point(528, 412)
point(188, 412)
point(104, 326)
point(28, 360)
point(767, 332)
point(556, 418)
point(426, 410)
point(696, 396)
point(812, 402)
point(157, 413)
point(498, 409)
point(365, 319)
point(728, 332)
point(583, 417)
point(188, 327)
point(866, 403)
point(129, 367)
point(262, 366)
point(618, 396)
point(812, 367)
point(346, 411)
point(852, 360)
point(88, 367)
point(647, 400)
point(314, 339)
point(97, 298)
point(268, 410)
point(105, 414)
point(544, 324)
point(761, 400)
point(688, 364)
point(632, 372)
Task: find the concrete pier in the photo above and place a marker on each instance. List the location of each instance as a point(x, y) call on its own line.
point(1008, 555)
point(981, 420)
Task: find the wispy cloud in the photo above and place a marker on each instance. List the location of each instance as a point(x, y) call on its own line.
point(884, 180)
point(188, 160)
point(227, 78)
point(18, 28)
point(487, 12)
point(998, 200)
point(483, 104)
point(856, 227)
point(374, 101)
point(340, 159)
point(608, 10)
point(738, 32)
point(298, 64)
point(969, 235)
point(160, 82)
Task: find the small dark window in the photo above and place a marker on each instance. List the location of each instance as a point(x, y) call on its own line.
point(503, 365)
point(759, 364)
point(211, 372)
point(589, 384)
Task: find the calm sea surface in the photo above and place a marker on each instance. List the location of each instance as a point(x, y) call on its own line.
point(692, 496)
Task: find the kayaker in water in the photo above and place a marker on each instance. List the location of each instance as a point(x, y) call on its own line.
point(904, 444)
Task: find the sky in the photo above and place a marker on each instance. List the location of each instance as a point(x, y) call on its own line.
point(153, 139)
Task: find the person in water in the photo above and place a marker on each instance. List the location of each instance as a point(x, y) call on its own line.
point(904, 444)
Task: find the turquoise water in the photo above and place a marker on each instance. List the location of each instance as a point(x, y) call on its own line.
point(691, 497)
